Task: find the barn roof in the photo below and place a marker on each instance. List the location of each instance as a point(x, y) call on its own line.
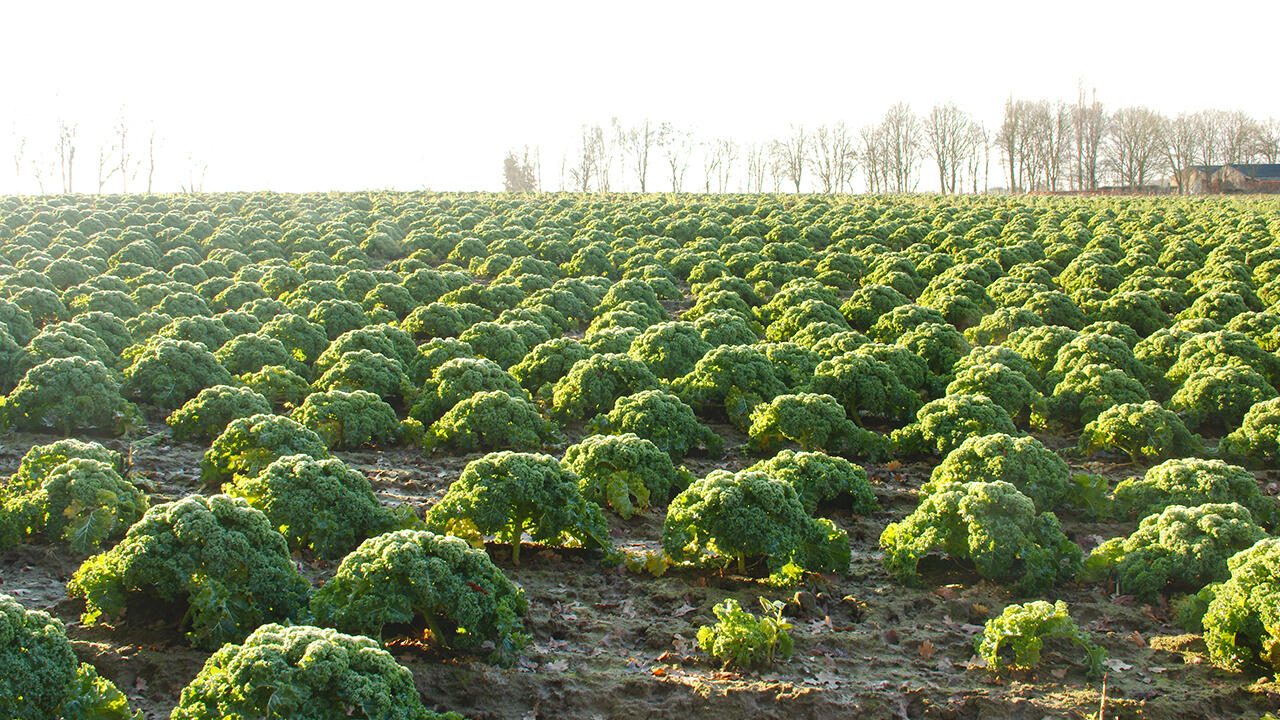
point(1258, 171)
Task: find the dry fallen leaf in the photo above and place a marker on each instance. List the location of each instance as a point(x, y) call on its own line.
point(892, 465)
point(1118, 665)
point(1060, 673)
point(683, 610)
point(927, 650)
point(659, 672)
point(1136, 638)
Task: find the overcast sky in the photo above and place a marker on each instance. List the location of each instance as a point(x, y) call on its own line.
point(346, 96)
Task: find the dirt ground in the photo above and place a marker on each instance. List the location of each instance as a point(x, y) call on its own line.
point(610, 643)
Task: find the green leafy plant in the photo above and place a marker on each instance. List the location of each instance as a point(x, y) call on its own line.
point(1258, 437)
point(302, 672)
point(282, 387)
point(943, 424)
point(625, 472)
point(989, 523)
point(1022, 462)
point(410, 576)
point(1186, 547)
point(1192, 482)
point(814, 422)
point(493, 420)
point(321, 505)
point(83, 502)
point(208, 413)
point(593, 385)
point(1242, 618)
point(1143, 431)
point(1025, 628)
point(1220, 396)
point(167, 373)
point(818, 477)
point(217, 558)
point(68, 394)
point(664, 420)
point(507, 494)
point(249, 445)
point(751, 515)
point(743, 640)
point(40, 676)
point(347, 420)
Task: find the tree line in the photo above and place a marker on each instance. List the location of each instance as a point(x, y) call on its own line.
point(119, 160)
point(1039, 146)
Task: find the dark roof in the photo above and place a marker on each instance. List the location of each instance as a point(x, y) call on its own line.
point(1206, 169)
point(1263, 171)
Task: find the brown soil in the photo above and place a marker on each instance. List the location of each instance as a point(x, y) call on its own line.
point(609, 643)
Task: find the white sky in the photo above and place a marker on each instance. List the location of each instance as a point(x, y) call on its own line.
point(356, 95)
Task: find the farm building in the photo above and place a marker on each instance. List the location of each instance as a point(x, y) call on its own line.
point(1233, 178)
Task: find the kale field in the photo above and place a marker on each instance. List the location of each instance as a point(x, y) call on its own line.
point(406, 455)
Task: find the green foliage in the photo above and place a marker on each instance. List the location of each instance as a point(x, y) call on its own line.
point(1006, 387)
point(493, 420)
point(83, 502)
point(743, 640)
point(303, 339)
point(624, 472)
point(207, 414)
point(818, 477)
point(1020, 461)
point(663, 419)
point(1085, 392)
point(1193, 482)
point(732, 380)
point(547, 362)
point(458, 379)
point(168, 373)
point(747, 516)
point(409, 576)
point(67, 395)
point(303, 673)
point(989, 523)
point(371, 372)
point(40, 677)
point(814, 422)
point(1258, 437)
point(249, 445)
point(348, 420)
point(942, 425)
point(1220, 396)
point(594, 384)
point(218, 556)
point(41, 460)
point(507, 494)
point(1025, 628)
point(670, 349)
point(321, 505)
point(865, 386)
point(1144, 431)
point(1242, 620)
point(1186, 547)
point(281, 387)
point(499, 343)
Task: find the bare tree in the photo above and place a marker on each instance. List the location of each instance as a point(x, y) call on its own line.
point(789, 154)
point(66, 149)
point(585, 170)
point(903, 141)
point(127, 165)
point(637, 143)
point(979, 154)
point(1135, 148)
point(1239, 137)
point(677, 147)
point(946, 130)
point(107, 166)
point(19, 153)
point(757, 166)
point(603, 161)
point(725, 152)
point(151, 160)
point(519, 172)
point(1180, 138)
point(1268, 141)
point(1009, 139)
point(833, 157)
point(874, 156)
point(1089, 125)
point(196, 172)
point(1208, 125)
